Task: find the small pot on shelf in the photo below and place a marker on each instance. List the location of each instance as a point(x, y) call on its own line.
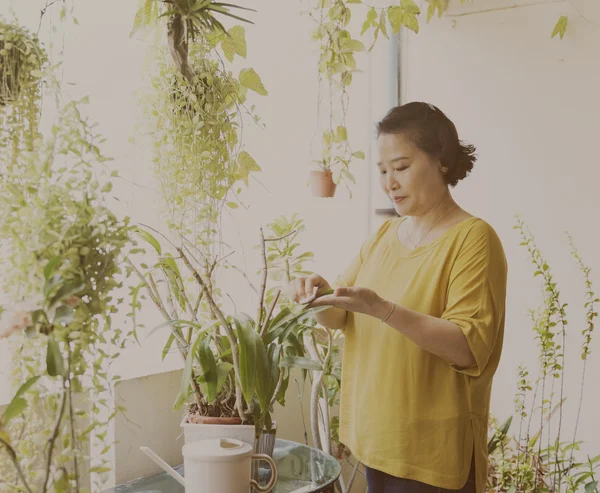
point(322, 184)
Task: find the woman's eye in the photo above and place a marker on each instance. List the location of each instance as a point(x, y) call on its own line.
point(382, 172)
point(402, 169)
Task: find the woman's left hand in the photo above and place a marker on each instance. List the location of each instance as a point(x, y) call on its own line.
point(355, 299)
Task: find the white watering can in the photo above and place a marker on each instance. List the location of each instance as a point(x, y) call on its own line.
point(222, 465)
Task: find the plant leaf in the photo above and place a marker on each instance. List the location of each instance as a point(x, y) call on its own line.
point(186, 377)
point(65, 291)
point(55, 364)
point(250, 79)
point(63, 315)
point(300, 362)
point(410, 21)
point(168, 345)
point(223, 369)
point(395, 15)
point(561, 27)
point(410, 6)
point(149, 239)
point(263, 374)
point(248, 357)
point(208, 364)
point(51, 267)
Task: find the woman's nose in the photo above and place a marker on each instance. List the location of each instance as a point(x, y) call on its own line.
point(390, 182)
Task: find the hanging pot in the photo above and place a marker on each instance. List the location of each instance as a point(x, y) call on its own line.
point(322, 184)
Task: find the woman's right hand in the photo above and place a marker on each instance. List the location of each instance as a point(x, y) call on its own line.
point(304, 289)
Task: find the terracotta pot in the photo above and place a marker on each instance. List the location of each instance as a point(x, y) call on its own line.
point(322, 184)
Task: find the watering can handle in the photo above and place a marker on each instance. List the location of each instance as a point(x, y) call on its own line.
point(273, 479)
point(166, 467)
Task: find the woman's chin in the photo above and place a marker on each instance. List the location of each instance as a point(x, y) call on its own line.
point(401, 209)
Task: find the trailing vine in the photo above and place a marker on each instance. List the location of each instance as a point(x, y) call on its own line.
point(22, 62)
point(64, 254)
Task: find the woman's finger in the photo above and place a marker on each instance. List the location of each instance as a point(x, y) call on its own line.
point(298, 289)
point(329, 300)
point(310, 286)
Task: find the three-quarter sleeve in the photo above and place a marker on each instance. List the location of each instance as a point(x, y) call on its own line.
point(477, 294)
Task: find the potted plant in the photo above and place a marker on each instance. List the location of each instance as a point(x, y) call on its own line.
point(22, 61)
point(336, 67)
point(334, 163)
point(64, 250)
point(232, 373)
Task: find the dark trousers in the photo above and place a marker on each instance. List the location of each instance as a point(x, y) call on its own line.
point(380, 482)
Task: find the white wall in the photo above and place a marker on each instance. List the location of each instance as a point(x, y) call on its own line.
point(530, 104)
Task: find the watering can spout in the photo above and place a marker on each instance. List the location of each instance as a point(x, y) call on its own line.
point(163, 465)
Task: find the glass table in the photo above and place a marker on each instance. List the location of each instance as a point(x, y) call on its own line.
point(300, 469)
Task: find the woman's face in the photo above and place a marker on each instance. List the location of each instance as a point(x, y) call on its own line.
point(409, 176)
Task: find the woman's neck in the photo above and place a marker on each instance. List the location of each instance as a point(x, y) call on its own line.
point(437, 214)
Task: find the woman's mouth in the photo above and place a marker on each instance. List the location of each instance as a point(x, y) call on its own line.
point(398, 199)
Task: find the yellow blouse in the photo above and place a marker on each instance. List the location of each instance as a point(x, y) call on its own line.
point(405, 411)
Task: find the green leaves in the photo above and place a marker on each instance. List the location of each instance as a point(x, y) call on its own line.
point(499, 436)
point(254, 366)
point(440, 5)
point(66, 291)
point(246, 165)
point(186, 376)
point(561, 27)
point(341, 134)
point(55, 365)
point(149, 238)
point(250, 79)
point(51, 267)
point(395, 15)
point(405, 15)
point(147, 14)
point(209, 369)
point(18, 404)
point(300, 362)
point(234, 43)
point(63, 315)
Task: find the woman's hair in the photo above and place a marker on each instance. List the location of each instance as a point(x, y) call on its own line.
point(432, 132)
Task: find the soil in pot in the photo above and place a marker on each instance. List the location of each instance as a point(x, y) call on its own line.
point(322, 184)
point(223, 413)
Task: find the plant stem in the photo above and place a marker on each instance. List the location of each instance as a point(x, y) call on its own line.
point(72, 421)
point(263, 285)
point(228, 330)
point(278, 386)
point(54, 436)
point(353, 476)
point(265, 324)
point(13, 457)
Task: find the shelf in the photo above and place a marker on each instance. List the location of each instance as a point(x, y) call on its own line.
point(390, 212)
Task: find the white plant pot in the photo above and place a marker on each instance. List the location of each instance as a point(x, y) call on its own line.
point(193, 432)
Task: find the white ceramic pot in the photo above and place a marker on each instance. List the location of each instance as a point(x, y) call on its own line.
point(223, 466)
point(194, 432)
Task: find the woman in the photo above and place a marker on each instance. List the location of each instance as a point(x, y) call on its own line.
point(422, 307)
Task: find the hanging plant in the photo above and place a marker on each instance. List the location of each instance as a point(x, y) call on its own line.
point(64, 252)
point(22, 60)
point(197, 113)
point(187, 20)
point(337, 64)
